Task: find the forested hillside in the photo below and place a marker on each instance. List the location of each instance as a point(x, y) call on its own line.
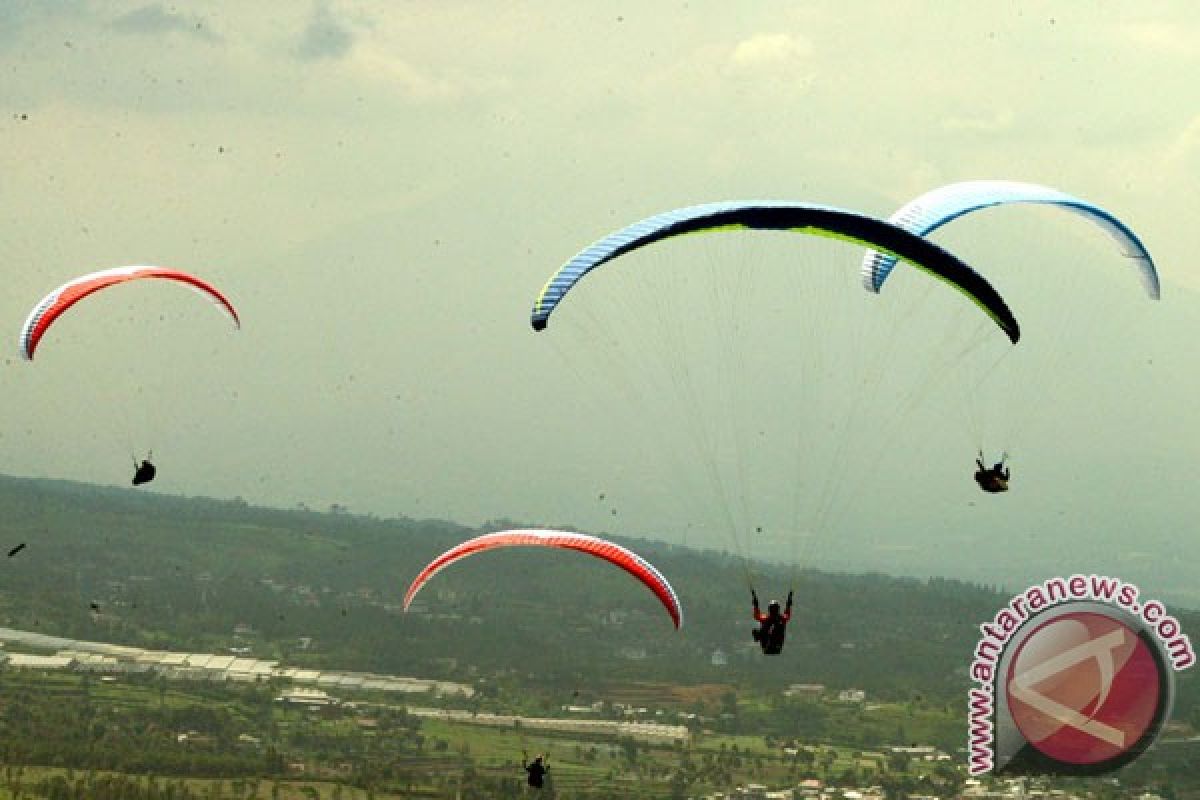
point(324, 589)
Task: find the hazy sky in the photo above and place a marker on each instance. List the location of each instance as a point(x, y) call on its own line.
point(382, 188)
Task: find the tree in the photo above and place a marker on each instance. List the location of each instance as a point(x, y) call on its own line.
point(629, 747)
point(898, 761)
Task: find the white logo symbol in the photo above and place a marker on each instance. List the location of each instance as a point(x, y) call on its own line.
point(1101, 649)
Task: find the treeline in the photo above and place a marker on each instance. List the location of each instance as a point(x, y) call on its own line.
point(89, 786)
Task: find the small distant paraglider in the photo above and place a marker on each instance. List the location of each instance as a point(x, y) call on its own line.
point(994, 479)
point(144, 472)
point(51, 307)
point(925, 214)
point(537, 769)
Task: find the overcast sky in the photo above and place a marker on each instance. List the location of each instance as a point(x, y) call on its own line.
point(382, 188)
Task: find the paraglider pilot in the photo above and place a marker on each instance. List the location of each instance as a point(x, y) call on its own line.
point(144, 473)
point(992, 480)
point(772, 625)
point(537, 772)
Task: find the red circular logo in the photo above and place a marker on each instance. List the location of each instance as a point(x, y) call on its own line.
point(1084, 688)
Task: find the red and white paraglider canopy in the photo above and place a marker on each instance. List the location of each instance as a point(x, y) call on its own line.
point(55, 304)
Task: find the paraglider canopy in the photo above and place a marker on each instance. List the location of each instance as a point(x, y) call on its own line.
point(924, 214)
point(781, 216)
point(55, 304)
point(608, 551)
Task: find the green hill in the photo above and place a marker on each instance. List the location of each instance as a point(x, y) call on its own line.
point(181, 573)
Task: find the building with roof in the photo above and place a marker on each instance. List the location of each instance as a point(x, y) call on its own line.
point(312, 698)
point(28, 661)
point(110, 658)
point(299, 675)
